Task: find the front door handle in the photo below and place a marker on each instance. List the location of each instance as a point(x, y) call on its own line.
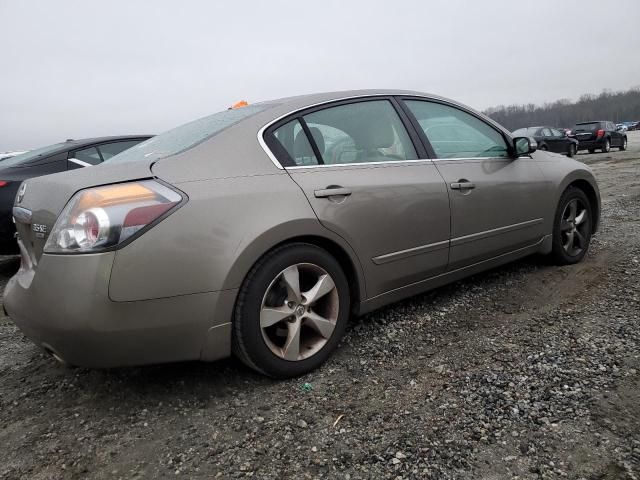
point(332, 192)
point(463, 185)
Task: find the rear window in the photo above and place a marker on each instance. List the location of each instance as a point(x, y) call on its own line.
point(188, 135)
point(587, 127)
point(525, 132)
point(32, 156)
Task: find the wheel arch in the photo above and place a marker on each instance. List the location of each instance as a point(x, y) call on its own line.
point(592, 195)
point(307, 231)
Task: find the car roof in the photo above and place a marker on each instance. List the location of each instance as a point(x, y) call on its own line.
point(278, 108)
point(72, 143)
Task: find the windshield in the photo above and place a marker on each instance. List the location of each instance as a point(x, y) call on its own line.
point(32, 156)
point(587, 127)
point(188, 135)
point(525, 132)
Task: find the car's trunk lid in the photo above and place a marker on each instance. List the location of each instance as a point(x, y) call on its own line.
point(40, 200)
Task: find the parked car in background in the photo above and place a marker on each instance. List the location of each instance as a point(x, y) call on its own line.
point(621, 127)
point(59, 157)
point(5, 155)
point(599, 135)
point(551, 139)
point(260, 230)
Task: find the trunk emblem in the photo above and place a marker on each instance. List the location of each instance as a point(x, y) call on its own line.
point(21, 192)
point(39, 229)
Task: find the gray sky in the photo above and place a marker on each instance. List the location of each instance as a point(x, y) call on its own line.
point(73, 69)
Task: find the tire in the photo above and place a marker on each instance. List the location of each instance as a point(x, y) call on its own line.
point(623, 147)
point(592, 150)
point(571, 238)
point(572, 150)
point(266, 342)
point(543, 148)
point(606, 148)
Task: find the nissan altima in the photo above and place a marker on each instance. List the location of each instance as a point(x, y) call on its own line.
point(260, 230)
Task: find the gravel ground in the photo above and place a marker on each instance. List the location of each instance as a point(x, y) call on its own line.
point(527, 371)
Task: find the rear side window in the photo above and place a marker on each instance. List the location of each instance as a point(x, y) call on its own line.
point(88, 155)
point(454, 133)
point(293, 139)
point(109, 150)
point(360, 132)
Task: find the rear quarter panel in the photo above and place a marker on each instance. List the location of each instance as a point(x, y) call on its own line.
point(211, 242)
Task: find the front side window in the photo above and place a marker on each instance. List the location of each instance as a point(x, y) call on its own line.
point(556, 133)
point(546, 132)
point(454, 133)
point(360, 132)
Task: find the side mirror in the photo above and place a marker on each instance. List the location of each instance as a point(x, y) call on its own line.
point(524, 146)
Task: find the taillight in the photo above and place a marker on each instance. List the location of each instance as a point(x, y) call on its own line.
point(99, 218)
point(3, 183)
point(600, 133)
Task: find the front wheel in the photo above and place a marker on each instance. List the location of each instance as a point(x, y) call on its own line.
point(607, 146)
point(572, 150)
point(291, 312)
point(624, 144)
point(572, 227)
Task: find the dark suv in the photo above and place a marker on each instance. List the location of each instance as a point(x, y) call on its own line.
point(63, 156)
point(601, 135)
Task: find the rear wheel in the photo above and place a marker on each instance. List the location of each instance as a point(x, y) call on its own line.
point(543, 148)
point(624, 144)
point(572, 227)
point(292, 310)
point(607, 146)
point(572, 150)
point(592, 150)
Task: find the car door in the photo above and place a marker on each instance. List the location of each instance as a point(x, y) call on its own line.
point(559, 140)
point(497, 201)
point(616, 135)
point(547, 139)
point(367, 179)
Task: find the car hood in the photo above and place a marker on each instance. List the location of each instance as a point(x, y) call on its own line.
point(45, 197)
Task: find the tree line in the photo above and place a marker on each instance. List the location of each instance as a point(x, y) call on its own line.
point(615, 106)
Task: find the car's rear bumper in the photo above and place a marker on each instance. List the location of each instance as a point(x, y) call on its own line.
point(587, 144)
point(63, 305)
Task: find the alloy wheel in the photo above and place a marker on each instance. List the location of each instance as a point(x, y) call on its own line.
point(299, 311)
point(574, 227)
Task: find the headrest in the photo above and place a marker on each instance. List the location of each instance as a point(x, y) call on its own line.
point(301, 146)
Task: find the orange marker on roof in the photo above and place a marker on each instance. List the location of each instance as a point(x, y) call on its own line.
point(240, 104)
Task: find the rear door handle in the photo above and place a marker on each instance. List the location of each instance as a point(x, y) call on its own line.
point(332, 192)
point(463, 185)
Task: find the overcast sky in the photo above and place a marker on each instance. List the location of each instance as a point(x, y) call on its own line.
point(73, 69)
